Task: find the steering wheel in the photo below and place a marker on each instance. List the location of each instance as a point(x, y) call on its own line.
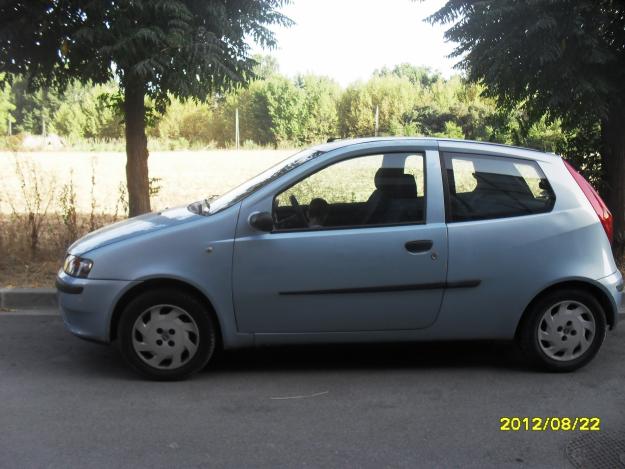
point(298, 209)
point(274, 212)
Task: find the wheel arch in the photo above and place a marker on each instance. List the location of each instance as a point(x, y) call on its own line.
point(154, 283)
point(588, 286)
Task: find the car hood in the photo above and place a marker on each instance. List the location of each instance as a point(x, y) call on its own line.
point(132, 227)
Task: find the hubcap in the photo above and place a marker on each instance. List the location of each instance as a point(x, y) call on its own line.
point(165, 337)
point(566, 330)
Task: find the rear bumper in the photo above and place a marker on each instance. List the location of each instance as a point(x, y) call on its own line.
point(613, 286)
point(87, 305)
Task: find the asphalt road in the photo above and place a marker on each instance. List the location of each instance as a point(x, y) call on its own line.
point(68, 403)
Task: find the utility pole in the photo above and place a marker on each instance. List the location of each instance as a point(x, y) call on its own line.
point(236, 128)
point(377, 119)
point(10, 127)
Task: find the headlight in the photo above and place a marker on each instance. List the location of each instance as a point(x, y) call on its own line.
point(77, 266)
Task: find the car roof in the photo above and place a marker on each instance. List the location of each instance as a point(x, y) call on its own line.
point(444, 144)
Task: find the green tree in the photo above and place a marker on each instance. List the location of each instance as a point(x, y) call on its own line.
point(255, 123)
point(450, 130)
point(34, 109)
point(285, 105)
point(254, 120)
point(188, 121)
point(155, 48)
point(320, 114)
point(278, 111)
point(356, 111)
point(85, 112)
point(563, 59)
point(394, 97)
point(6, 108)
point(266, 66)
point(417, 75)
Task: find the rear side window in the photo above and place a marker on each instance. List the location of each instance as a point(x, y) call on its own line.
point(484, 187)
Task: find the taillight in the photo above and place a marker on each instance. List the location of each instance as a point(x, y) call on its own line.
point(601, 209)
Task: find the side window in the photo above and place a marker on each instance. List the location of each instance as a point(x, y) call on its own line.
point(363, 191)
point(483, 187)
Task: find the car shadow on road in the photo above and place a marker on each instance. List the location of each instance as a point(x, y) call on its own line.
point(107, 361)
point(57, 353)
point(486, 354)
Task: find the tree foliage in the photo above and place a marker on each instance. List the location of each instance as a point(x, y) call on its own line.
point(86, 112)
point(184, 48)
point(184, 122)
point(319, 113)
point(561, 57)
point(34, 109)
point(6, 109)
point(563, 60)
point(417, 75)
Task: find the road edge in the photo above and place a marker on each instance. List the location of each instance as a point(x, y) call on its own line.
point(28, 298)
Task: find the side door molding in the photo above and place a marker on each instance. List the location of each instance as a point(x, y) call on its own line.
point(388, 288)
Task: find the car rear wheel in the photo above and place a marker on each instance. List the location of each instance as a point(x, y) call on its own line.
point(167, 334)
point(563, 330)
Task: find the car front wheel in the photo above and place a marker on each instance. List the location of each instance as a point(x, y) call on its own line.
point(166, 334)
point(563, 330)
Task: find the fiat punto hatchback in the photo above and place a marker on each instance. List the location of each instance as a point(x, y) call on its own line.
point(392, 239)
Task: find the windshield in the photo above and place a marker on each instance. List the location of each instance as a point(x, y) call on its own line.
point(239, 193)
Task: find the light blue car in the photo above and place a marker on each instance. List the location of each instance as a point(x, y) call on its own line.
point(369, 240)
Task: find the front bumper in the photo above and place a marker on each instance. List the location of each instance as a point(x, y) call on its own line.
point(87, 305)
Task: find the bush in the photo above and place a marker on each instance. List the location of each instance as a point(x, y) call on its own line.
point(87, 112)
point(186, 121)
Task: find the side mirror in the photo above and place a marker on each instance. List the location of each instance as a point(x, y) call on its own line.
point(261, 221)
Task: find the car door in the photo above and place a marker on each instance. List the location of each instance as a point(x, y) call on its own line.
point(350, 249)
point(502, 240)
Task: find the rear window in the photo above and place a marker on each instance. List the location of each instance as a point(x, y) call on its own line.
point(484, 187)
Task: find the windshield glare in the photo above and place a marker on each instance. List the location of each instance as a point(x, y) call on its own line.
point(239, 193)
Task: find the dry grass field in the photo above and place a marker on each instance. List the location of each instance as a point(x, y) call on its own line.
point(184, 176)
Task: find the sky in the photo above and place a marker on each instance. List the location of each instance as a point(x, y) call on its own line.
point(348, 39)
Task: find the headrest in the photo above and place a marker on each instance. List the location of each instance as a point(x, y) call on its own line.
point(385, 177)
point(317, 208)
point(394, 183)
point(498, 182)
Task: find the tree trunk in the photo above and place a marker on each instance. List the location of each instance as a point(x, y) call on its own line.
point(613, 162)
point(136, 151)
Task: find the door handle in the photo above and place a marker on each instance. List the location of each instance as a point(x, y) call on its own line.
point(421, 245)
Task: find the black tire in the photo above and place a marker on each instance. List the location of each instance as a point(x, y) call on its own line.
point(528, 335)
point(206, 338)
